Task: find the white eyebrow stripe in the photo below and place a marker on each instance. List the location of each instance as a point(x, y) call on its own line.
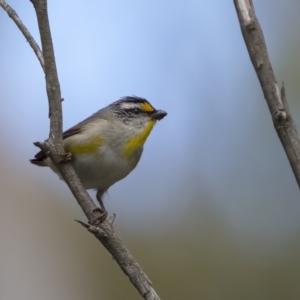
point(129, 105)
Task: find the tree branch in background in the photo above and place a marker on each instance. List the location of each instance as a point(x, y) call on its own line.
point(53, 146)
point(276, 100)
point(12, 14)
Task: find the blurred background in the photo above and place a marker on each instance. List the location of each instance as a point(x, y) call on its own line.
point(212, 211)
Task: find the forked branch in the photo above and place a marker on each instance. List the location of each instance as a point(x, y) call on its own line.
point(12, 14)
point(53, 146)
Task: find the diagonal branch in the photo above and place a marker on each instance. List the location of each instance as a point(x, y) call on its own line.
point(12, 14)
point(53, 146)
point(276, 99)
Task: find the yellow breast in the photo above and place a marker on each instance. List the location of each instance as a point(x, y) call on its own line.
point(139, 140)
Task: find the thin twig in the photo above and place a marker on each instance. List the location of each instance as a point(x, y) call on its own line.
point(12, 14)
point(282, 119)
point(53, 146)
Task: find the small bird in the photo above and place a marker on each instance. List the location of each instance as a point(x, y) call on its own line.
point(107, 146)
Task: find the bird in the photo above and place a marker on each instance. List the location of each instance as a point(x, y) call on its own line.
point(105, 147)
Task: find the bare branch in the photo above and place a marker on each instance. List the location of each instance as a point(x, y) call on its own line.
point(54, 145)
point(111, 241)
point(282, 119)
point(104, 232)
point(12, 14)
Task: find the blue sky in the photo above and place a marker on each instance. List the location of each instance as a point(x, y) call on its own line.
point(213, 173)
point(216, 145)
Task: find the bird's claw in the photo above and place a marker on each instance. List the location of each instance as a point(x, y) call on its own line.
point(99, 219)
point(66, 157)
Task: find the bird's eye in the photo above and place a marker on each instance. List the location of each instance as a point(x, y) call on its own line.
point(135, 110)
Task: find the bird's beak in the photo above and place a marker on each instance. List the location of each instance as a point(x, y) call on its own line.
point(158, 115)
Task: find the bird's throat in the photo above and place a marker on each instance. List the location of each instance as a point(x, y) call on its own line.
point(139, 140)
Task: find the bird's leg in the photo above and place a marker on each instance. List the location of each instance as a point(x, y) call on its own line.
point(101, 209)
point(99, 198)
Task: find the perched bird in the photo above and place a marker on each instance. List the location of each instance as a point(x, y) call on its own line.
point(108, 145)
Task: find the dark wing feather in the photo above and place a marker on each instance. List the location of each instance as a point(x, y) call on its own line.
point(40, 156)
point(72, 131)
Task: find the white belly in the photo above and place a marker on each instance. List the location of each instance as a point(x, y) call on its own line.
point(102, 170)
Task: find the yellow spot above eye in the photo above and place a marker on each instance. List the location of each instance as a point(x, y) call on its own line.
point(139, 140)
point(87, 147)
point(147, 107)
